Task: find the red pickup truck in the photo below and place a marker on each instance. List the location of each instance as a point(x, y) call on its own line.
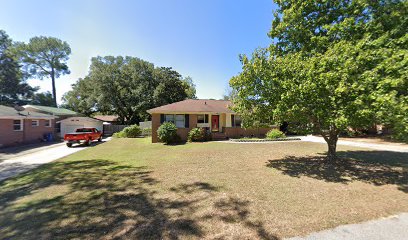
point(86, 135)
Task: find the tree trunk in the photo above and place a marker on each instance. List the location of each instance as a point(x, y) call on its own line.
point(331, 141)
point(54, 91)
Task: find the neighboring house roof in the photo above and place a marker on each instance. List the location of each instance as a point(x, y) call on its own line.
point(52, 110)
point(195, 106)
point(79, 119)
point(12, 113)
point(107, 118)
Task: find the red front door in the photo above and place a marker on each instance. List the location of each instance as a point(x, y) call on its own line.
point(215, 119)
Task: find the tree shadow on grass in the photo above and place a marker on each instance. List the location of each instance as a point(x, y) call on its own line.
point(374, 167)
point(94, 199)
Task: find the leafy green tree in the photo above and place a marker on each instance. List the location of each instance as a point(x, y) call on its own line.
point(45, 57)
point(81, 98)
point(127, 87)
point(171, 87)
point(13, 88)
point(333, 65)
point(43, 98)
point(190, 87)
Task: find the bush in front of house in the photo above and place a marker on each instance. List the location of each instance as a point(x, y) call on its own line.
point(147, 132)
point(129, 132)
point(197, 135)
point(275, 134)
point(167, 133)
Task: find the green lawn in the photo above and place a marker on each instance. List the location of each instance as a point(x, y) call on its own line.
point(130, 188)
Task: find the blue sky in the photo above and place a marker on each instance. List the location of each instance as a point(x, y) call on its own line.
point(201, 39)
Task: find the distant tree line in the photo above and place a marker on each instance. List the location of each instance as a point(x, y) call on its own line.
point(127, 87)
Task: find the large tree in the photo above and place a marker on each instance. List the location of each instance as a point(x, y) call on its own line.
point(127, 87)
point(45, 57)
point(332, 65)
point(13, 88)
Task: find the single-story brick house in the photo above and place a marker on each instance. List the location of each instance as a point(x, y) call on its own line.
point(213, 115)
point(59, 113)
point(19, 127)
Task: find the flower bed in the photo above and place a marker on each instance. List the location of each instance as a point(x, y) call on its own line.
point(266, 140)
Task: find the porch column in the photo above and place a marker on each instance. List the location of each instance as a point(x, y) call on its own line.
point(228, 120)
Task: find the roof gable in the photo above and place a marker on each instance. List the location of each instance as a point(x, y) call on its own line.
point(195, 106)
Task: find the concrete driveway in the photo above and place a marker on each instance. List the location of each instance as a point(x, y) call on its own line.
point(16, 163)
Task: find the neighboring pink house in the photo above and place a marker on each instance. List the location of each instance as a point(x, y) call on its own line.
point(213, 115)
point(19, 127)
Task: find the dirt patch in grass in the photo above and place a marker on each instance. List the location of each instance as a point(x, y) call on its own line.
point(129, 188)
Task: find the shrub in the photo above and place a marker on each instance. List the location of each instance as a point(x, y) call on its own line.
point(129, 132)
point(167, 133)
point(147, 132)
point(117, 135)
point(274, 134)
point(197, 135)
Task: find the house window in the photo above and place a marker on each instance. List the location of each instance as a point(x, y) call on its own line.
point(48, 123)
point(169, 118)
point(35, 123)
point(238, 121)
point(203, 118)
point(180, 121)
point(18, 125)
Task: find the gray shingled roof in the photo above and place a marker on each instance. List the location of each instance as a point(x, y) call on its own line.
point(9, 112)
point(52, 110)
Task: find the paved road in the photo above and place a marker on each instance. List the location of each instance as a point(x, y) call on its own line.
point(32, 158)
point(391, 228)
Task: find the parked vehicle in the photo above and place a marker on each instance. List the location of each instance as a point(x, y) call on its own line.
point(83, 135)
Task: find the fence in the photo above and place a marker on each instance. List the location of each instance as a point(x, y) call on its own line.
point(144, 125)
point(109, 130)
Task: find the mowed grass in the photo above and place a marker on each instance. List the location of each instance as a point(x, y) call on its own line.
point(130, 188)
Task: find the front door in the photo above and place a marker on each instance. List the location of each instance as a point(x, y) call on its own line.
point(215, 122)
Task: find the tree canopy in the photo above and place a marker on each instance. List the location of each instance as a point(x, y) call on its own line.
point(13, 88)
point(45, 57)
point(332, 65)
point(127, 87)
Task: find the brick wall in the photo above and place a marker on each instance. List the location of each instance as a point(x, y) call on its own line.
point(9, 137)
point(35, 134)
point(155, 126)
point(182, 132)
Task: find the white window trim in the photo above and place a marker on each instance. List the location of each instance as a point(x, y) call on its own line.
point(49, 121)
point(204, 118)
point(35, 121)
point(21, 125)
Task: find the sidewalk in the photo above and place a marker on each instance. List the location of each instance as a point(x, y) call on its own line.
point(391, 228)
